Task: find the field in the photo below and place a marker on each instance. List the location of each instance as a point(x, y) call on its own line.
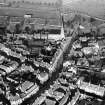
point(21, 12)
point(38, 10)
point(95, 8)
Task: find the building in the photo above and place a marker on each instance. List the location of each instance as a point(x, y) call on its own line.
point(9, 67)
point(43, 77)
point(91, 88)
point(50, 102)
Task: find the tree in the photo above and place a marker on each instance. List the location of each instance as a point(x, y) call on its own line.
point(92, 20)
point(18, 29)
point(27, 29)
point(68, 23)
